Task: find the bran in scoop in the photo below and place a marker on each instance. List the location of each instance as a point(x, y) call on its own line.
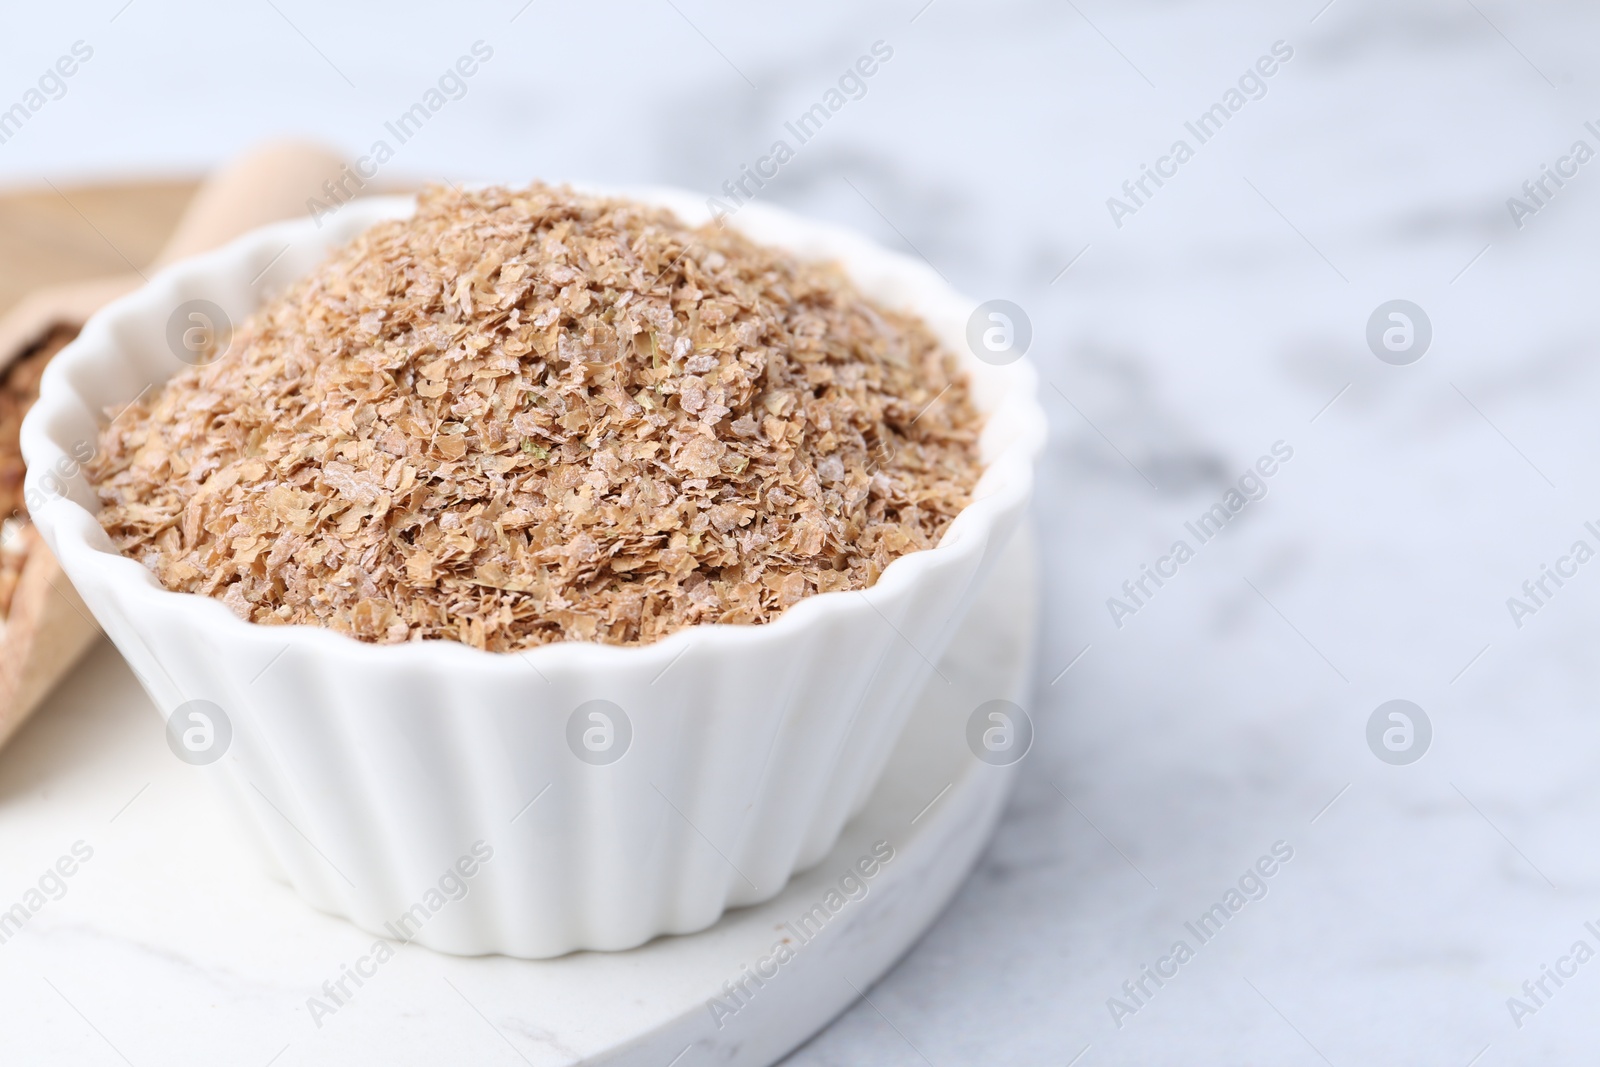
point(532, 415)
point(19, 390)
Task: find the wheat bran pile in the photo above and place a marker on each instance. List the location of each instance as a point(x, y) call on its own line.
point(19, 389)
point(530, 415)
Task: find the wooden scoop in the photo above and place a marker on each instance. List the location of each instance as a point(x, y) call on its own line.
point(48, 627)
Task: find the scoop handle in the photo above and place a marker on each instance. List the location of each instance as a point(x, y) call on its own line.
point(267, 184)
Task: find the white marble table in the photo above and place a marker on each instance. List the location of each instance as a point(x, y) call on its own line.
point(1226, 314)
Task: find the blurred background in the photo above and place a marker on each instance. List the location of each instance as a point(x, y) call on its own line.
point(1184, 330)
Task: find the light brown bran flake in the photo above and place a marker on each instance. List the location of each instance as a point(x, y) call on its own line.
point(531, 415)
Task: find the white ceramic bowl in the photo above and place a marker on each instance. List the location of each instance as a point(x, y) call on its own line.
point(370, 773)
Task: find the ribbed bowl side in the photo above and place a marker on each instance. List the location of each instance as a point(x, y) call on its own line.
point(366, 785)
